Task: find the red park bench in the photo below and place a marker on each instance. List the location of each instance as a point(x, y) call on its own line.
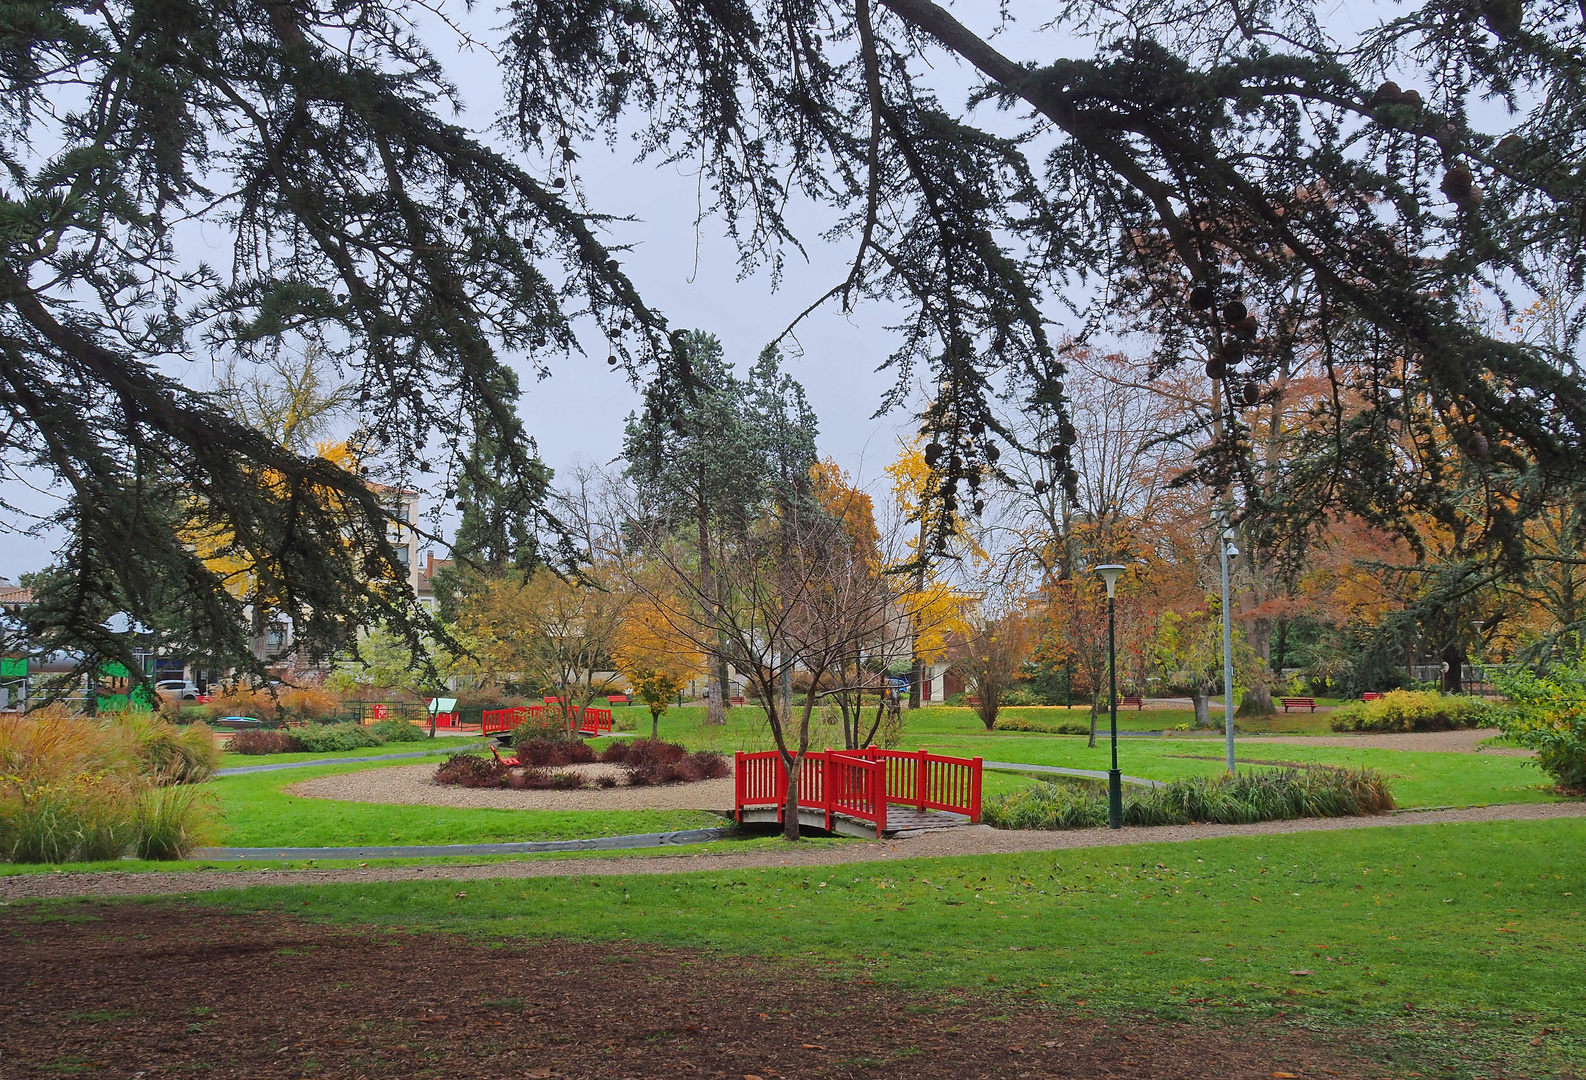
point(617, 699)
point(1370, 695)
point(738, 700)
point(1298, 703)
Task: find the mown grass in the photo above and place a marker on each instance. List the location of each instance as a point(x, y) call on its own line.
point(440, 743)
point(748, 844)
point(259, 812)
point(1459, 944)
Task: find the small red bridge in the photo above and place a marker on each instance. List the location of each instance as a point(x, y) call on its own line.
point(849, 791)
point(588, 721)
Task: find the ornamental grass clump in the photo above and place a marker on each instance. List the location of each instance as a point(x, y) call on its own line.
point(82, 789)
point(170, 754)
point(1237, 799)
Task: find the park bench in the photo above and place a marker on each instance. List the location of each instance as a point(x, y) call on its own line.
point(1370, 695)
point(1135, 700)
point(738, 700)
point(1298, 703)
point(617, 699)
point(511, 762)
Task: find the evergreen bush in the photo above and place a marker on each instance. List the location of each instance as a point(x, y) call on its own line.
point(330, 738)
point(1547, 713)
point(1413, 710)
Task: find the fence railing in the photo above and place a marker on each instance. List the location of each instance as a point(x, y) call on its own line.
point(860, 784)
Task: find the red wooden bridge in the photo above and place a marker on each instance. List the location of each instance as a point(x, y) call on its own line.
point(589, 721)
point(849, 791)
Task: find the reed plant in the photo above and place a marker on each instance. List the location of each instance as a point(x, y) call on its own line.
point(1226, 799)
point(75, 789)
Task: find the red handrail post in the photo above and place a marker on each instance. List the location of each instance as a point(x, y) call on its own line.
point(974, 792)
point(737, 786)
point(878, 795)
point(828, 788)
point(780, 787)
point(920, 787)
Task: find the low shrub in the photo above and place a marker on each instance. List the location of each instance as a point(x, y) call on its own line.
point(329, 738)
point(471, 771)
point(649, 762)
point(1241, 798)
point(566, 781)
point(1412, 710)
point(550, 725)
point(258, 741)
point(399, 731)
point(1547, 713)
point(1020, 723)
point(552, 752)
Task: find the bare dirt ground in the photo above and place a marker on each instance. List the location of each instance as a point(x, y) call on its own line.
point(411, 785)
point(970, 840)
point(138, 991)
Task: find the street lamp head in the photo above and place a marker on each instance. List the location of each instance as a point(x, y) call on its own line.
point(1231, 551)
point(1109, 573)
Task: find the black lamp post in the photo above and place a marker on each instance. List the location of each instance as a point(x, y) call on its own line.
point(1109, 573)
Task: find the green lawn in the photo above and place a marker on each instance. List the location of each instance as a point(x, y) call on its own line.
point(1457, 942)
point(232, 761)
point(260, 813)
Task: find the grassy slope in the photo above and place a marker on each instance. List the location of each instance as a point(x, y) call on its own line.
point(1420, 778)
point(1447, 936)
point(260, 813)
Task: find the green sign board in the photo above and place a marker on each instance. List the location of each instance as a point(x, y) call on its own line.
point(13, 668)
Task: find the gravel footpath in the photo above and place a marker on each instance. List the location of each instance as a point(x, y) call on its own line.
point(1467, 741)
point(970, 840)
point(411, 785)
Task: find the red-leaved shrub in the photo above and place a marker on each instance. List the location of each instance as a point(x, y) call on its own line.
point(550, 753)
point(471, 771)
point(263, 742)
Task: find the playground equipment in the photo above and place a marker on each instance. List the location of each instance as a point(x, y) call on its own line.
point(848, 791)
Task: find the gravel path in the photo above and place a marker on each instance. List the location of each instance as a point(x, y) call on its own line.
point(410, 785)
point(971, 840)
point(1450, 742)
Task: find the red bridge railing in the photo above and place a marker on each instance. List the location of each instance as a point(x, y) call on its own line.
point(860, 784)
point(592, 721)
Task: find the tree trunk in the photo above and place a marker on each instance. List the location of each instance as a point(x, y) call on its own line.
point(1258, 694)
point(714, 710)
point(655, 724)
point(1092, 720)
point(916, 696)
point(1203, 706)
point(1453, 658)
point(790, 809)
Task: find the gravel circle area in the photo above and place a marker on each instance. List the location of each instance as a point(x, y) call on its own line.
point(1465, 741)
point(939, 843)
point(412, 785)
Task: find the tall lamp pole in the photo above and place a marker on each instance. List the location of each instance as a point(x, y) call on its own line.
point(1481, 676)
point(1109, 573)
point(1229, 553)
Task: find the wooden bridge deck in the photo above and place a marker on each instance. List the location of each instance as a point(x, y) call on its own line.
point(900, 819)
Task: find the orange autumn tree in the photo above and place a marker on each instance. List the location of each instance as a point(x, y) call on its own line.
point(650, 652)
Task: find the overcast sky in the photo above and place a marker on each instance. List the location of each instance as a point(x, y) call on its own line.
point(689, 275)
